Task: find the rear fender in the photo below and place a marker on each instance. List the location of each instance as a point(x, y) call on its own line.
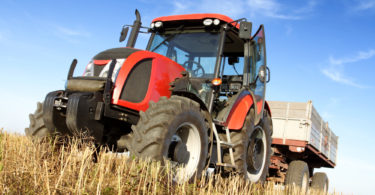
point(267, 107)
point(240, 108)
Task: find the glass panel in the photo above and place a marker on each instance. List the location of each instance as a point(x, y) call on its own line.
point(259, 56)
point(195, 51)
point(231, 69)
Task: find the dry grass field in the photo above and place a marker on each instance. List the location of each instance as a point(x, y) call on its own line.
point(50, 168)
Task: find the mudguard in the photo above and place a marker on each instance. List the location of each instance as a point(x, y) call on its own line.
point(241, 107)
point(237, 115)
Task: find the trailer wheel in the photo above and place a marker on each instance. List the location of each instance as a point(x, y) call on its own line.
point(320, 182)
point(174, 129)
point(298, 175)
point(252, 149)
point(37, 129)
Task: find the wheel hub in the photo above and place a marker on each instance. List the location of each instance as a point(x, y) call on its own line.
point(185, 150)
point(180, 152)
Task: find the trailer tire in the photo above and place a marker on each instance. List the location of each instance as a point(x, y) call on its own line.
point(298, 175)
point(37, 129)
point(320, 182)
point(244, 142)
point(174, 129)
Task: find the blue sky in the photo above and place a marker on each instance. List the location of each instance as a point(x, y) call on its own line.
point(317, 50)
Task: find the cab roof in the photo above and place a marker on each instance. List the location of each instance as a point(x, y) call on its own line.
point(221, 17)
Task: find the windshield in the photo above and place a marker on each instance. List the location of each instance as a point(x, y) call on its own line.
point(195, 51)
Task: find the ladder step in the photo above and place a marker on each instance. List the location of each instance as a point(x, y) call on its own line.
point(226, 144)
point(226, 165)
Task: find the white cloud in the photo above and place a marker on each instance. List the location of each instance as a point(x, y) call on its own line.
point(336, 75)
point(238, 8)
point(365, 5)
point(335, 70)
point(360, 56)
point(70, 32)
point(269, 8)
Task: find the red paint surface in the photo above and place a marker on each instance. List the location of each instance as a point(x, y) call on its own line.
point(163, 71)
point(101, 62)
point(259, 106)
point(195, 17)
point(238, 113)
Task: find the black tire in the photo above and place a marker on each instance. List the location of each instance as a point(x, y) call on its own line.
point(245, 141)
point(37, 129)
point(298, 175)
point(161, 131)
point(319, 181)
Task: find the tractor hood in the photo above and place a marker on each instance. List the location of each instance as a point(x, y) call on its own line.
point(115, 53)
point(139, 76)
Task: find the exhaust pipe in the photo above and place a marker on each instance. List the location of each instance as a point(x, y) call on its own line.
point(135, 30)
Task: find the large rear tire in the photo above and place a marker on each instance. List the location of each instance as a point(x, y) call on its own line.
point(298, 175)
point(174, 129)
point(252, 149)
point(320, 182)
point(37, 129)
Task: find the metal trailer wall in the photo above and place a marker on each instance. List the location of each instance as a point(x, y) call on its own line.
point(300, 121)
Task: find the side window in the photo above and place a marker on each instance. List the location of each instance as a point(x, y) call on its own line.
point(231, 69)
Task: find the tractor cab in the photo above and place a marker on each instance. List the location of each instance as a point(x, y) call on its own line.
point(221, 57)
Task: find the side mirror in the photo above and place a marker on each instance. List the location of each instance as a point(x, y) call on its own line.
point(245, 30)
point(124, 33)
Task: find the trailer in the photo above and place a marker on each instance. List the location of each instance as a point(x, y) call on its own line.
point(302, 142)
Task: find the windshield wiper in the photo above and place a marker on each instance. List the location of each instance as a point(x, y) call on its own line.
point(169, 38)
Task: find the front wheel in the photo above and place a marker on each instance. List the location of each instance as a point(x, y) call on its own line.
point(174, 129)
point(37, 130)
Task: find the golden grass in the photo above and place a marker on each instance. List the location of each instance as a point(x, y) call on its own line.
point(47, 168)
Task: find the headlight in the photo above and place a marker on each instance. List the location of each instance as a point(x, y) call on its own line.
point(158, 24)
point(216, 21)
point(89, 71)
point(207, 22)
point(152, 25)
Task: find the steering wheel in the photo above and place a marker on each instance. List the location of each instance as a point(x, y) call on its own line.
point(198, 72)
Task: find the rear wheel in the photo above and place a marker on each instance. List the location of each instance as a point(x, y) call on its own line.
point(298, 175)
point(37, 129)
point(320, 182)
point(174, 129)
point(252, 149)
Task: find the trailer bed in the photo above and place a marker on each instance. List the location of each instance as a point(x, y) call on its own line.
point(299, 125)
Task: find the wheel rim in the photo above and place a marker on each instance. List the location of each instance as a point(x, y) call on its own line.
point(256, 154)
point(184, 151)
point(305, 181)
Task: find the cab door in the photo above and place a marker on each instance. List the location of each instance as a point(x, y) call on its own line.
point(259, 69)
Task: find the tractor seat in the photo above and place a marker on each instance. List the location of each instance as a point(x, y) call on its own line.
point(86, 84)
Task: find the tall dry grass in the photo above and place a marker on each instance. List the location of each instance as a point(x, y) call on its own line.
point(49, 168)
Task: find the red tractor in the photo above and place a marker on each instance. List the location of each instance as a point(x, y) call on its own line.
point(195, 96)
